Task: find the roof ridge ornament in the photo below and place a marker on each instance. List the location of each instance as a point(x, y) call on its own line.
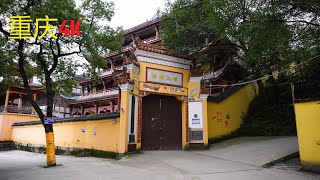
point(130, 58)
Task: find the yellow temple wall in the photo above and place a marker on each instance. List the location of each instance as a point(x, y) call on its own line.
point(6, 121)
point(205, 106)
point(123, 124)
point(308, 123)
point(98, 134)
point(226, 117)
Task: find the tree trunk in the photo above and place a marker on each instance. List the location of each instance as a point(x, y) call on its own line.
point(50, 150)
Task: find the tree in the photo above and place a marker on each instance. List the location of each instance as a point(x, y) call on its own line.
point(5, 66)
point(267, 34)
point(53, 59)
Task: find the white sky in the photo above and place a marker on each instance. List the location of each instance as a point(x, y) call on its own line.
point(129, 13)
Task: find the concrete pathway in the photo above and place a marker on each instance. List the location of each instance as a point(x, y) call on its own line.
point(148, 165)
point(256, 151)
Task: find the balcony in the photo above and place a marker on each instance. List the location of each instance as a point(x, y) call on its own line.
point(108, 72)
point(151, 40)
point(127, 48)
point(16, 109)
point(107, 92)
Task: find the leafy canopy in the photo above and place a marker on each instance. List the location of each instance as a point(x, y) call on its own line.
point(55, 61)
point(265, 33)
point(97, 38)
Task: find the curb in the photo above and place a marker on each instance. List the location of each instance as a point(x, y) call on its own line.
point(284, 158)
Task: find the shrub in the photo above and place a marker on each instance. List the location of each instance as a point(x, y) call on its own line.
point(270, 114)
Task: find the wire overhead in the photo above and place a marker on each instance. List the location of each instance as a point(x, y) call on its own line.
point(264, 77)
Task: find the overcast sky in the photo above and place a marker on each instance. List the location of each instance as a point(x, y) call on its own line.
point(129, 13)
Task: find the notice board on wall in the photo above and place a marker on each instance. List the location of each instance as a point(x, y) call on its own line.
point(195, 115)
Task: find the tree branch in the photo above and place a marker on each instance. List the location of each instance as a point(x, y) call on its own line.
point(25, 81)
point(55, 58)
point(305, 22)
point(40, 59)
point(70, 53)
point(294, 21)
point(6, 33)
point(51, 47)
point(49, 93)
point(58, 44)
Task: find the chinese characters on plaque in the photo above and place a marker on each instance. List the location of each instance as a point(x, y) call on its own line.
point(164, 77)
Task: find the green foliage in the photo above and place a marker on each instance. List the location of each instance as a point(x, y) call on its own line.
point(184, 28)
point(270, 114)
point(306, 80)
point(97, 38)
point(267, 34)
point(55, 61)
point(7, 68)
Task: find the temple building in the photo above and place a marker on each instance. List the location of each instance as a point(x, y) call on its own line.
point(14, 99)
point(148, 98)
point(15, 107)
point(104, 96)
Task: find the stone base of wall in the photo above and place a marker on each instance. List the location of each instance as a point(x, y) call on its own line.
point(197, 146)
point(7, 145)
point(310, 167)
point(232, 135)
point(79, 152)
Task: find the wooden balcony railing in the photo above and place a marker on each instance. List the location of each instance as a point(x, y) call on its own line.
point(16, 109)
point(150, 40)
point(108, 72)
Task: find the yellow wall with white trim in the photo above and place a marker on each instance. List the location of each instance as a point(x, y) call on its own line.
point(308, 125)
point(235, 106)
point(69, 134)
point(6, 121)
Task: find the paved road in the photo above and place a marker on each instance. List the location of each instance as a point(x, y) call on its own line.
point(256, 151)
point(152, 165)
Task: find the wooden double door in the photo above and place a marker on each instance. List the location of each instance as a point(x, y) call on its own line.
point(161, 123)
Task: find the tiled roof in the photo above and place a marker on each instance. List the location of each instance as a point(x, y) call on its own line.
point(148, 23)
point(32, 86)
point(78, 100)
point(224, 95)
point(154, 48)
point(94, 117)
point(21, 86)
point(35, 86)
point(81, 78)
point(228, 92)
